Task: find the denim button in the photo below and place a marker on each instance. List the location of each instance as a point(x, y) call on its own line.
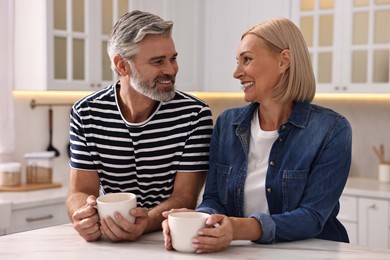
point(272, 163)
point(269, 190)
point(283, 127)
point(280, 139)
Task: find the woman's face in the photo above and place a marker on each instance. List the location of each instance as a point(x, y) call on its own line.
point(258, 69)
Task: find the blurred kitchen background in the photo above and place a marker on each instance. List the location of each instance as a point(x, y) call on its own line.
point(56, 54)
point(52, 53)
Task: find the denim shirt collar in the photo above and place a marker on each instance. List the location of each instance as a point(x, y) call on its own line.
point(299, 116)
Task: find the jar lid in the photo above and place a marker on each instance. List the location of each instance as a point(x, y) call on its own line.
point(39, 155)
point(10, 167)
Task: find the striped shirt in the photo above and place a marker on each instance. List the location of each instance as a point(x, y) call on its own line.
point(141, 158)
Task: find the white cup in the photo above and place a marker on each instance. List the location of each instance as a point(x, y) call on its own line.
point(122, 202)
point(184, 226)
point(384, 173)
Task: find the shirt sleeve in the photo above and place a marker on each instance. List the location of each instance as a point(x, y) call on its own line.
point(80, 155)
point(196, 150)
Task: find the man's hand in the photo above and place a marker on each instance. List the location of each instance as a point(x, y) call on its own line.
point(126, 231)
point(86, 221)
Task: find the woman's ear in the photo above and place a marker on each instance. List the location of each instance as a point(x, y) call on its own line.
point(121, 65)
point(284, 60)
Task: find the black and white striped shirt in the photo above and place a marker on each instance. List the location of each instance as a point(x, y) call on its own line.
point(141, 158)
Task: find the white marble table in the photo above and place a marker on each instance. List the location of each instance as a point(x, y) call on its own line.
point(62, 242)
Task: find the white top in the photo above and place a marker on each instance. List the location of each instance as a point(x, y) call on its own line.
point(260, 144)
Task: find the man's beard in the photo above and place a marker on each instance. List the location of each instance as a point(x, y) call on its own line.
point(150, 91)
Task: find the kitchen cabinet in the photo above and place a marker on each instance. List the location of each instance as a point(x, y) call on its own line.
point(348, 215)
point(207, 34)
point(373, 222)
point(61, 44)
point(34, 209)
point(188, 33)
point(349, 42)
point(365, 212)
point(37, 217)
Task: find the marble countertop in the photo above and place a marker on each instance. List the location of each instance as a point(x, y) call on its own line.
point(358, 186)
point(63, 242)
point(34, 198)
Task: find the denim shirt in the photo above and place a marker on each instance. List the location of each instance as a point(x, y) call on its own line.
point(308, 167)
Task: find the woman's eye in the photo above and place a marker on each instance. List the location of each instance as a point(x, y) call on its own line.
point(246, 60)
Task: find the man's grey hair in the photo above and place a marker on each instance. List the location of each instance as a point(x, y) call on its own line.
point(130, 29)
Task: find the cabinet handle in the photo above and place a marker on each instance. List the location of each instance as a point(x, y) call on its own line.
point(50, 216)
point(372, 206)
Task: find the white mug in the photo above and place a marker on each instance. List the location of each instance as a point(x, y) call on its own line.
point(122, 202)
point(183, 226)
point(384, 173)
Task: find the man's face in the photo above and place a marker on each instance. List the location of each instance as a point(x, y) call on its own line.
point(154, 68)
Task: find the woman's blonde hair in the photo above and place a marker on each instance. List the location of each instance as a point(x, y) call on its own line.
point(298, 81)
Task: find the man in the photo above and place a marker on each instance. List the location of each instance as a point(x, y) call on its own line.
point(139, 135)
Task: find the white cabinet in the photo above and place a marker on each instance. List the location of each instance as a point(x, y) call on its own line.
point(348, 215)
point(207, 35)
point(349, 42)
point(225, 22)
point(366, 219)
point(373, 222)
point(37, 217)
point(61, 44)
point(33, 209)
point(188, 34)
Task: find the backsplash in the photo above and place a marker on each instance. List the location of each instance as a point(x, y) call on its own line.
point(369, 119)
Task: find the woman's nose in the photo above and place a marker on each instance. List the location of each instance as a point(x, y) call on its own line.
point(237, 73)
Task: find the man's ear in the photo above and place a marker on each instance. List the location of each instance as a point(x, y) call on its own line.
point(285, 60)
point(121, 65)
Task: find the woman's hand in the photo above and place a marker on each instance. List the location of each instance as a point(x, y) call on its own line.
point(165, 227)
point(216, 238)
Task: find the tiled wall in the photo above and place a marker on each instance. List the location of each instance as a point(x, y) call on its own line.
point(370, 120)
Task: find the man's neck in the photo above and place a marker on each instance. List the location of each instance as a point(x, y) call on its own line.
point(135, 107)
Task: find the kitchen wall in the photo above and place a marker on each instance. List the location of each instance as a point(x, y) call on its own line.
point(369, 118)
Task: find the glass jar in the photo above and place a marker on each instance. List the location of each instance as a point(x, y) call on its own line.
point(10, 174)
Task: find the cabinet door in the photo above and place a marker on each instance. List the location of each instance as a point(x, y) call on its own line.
point(352, 230)
point(373, 222)
point(321, 28)
point(78, 33)
point(349, 43)
point(348, 216)
point(68, 36)
point(369, 46)
point(38, 217)
point(106, 13)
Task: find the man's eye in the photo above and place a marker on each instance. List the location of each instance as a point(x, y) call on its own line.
point(158, 62)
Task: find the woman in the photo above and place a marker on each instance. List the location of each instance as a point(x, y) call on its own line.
point(278, 165)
